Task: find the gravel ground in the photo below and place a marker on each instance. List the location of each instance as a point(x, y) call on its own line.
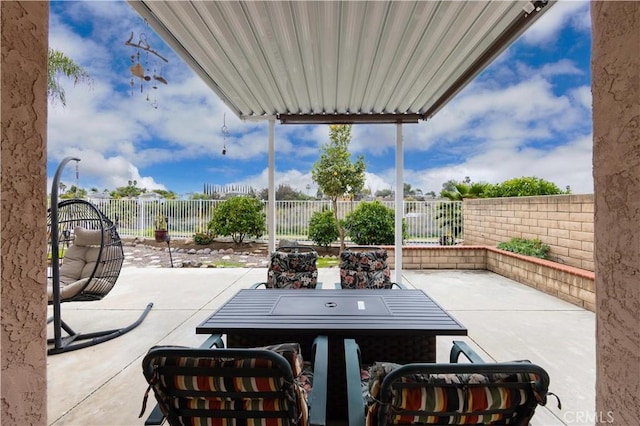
point(144, 256)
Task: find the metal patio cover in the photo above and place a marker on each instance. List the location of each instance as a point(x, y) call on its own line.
point(338, 62)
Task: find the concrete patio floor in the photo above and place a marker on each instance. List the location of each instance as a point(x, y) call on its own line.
point(103, 384)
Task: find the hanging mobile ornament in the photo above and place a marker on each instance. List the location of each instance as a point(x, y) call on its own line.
point(132, 83)
point(225, 132)
point(141, 68)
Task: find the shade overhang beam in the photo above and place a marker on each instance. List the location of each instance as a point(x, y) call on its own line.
point(502, 42)
point(349, 118)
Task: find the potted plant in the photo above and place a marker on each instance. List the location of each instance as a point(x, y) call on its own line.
point(160, 232)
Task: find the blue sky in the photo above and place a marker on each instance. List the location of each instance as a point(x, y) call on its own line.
point(528, 114)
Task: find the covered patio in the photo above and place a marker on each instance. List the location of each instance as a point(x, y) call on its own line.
point(29, 387)
point(339, 62)
point(103, 385)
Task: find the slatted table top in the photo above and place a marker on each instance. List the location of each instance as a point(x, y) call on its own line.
point(332, 312)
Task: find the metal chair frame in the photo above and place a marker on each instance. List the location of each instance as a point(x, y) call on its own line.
point(213, 347)
point(393, 381)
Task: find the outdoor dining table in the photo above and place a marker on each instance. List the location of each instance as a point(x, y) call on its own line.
point(389, 325)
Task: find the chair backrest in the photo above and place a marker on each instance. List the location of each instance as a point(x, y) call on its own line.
point(490, 394)
point(80, 259)
point(293, 267)
point(228, 386)
point(364, 267)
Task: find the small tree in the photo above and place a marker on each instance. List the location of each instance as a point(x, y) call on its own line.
point(131, 190)
point(383, 193)
point(449, 215)
point(323, 229)
point(238, 217)
point(372, 223)
point(449, 218)
point(334, 172)
point(169, 195)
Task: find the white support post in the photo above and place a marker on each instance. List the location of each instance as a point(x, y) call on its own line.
point(271, 198)
point(399, 202)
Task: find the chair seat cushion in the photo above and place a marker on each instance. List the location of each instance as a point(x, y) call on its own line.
point(67, 291)
point(292, 280)
point(450, 398)
point(73, 264)
point(365, 279)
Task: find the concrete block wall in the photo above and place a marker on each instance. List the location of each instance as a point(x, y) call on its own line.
point(440, 257)
point(564, 222)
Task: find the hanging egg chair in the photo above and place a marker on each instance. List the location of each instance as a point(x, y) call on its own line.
point(86, 257)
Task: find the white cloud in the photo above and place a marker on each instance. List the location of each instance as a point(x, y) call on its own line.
point(582, 96)
point(565, 12)
point(564, 165)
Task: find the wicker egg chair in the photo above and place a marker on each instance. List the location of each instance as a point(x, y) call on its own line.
point(86, 257)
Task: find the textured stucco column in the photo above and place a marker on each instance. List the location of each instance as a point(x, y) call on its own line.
point(616, 161)
point(23, 177)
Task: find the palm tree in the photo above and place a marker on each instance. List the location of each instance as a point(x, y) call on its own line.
point(59, 63)
point(462, 190)
point(449, 215)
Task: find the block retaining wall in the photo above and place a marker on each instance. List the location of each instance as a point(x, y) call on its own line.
point(569, 283)
point(564, 222)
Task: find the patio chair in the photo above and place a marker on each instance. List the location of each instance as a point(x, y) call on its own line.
point(268, 385)
point(292, 267)
point(455, 393)
point(365, 267)
point(86, 257)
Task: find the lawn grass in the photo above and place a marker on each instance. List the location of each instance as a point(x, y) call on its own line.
point(327, 262)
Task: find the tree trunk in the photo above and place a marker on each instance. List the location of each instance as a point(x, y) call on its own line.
point(334, 205)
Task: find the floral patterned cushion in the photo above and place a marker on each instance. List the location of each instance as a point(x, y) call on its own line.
point(364, 269)
point(292, 270)
point(223, 382)
point(452, 398)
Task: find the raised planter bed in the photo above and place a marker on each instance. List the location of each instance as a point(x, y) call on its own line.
point(572, 284)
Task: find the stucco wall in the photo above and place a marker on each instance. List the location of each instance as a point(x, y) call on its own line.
point(23, 208)
point(564, 222)
point(616, 159)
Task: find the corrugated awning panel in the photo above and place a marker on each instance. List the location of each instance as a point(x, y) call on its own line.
point(326, 58)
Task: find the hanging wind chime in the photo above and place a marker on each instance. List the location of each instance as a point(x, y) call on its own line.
point(225, 132)
point(141, 68)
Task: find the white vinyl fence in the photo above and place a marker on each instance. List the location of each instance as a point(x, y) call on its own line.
point(426, 221)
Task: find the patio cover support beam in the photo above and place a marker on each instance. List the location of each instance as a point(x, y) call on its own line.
point(271, 205)
point(348, 118)
point(399, 202)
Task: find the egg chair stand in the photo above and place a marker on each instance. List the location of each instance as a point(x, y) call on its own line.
point(86, 258)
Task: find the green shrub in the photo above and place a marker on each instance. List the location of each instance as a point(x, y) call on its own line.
point(523, 187)
point(372, 223)
point(238, 217)
point(323, 229)
point(527, 247)
point(202, 238)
